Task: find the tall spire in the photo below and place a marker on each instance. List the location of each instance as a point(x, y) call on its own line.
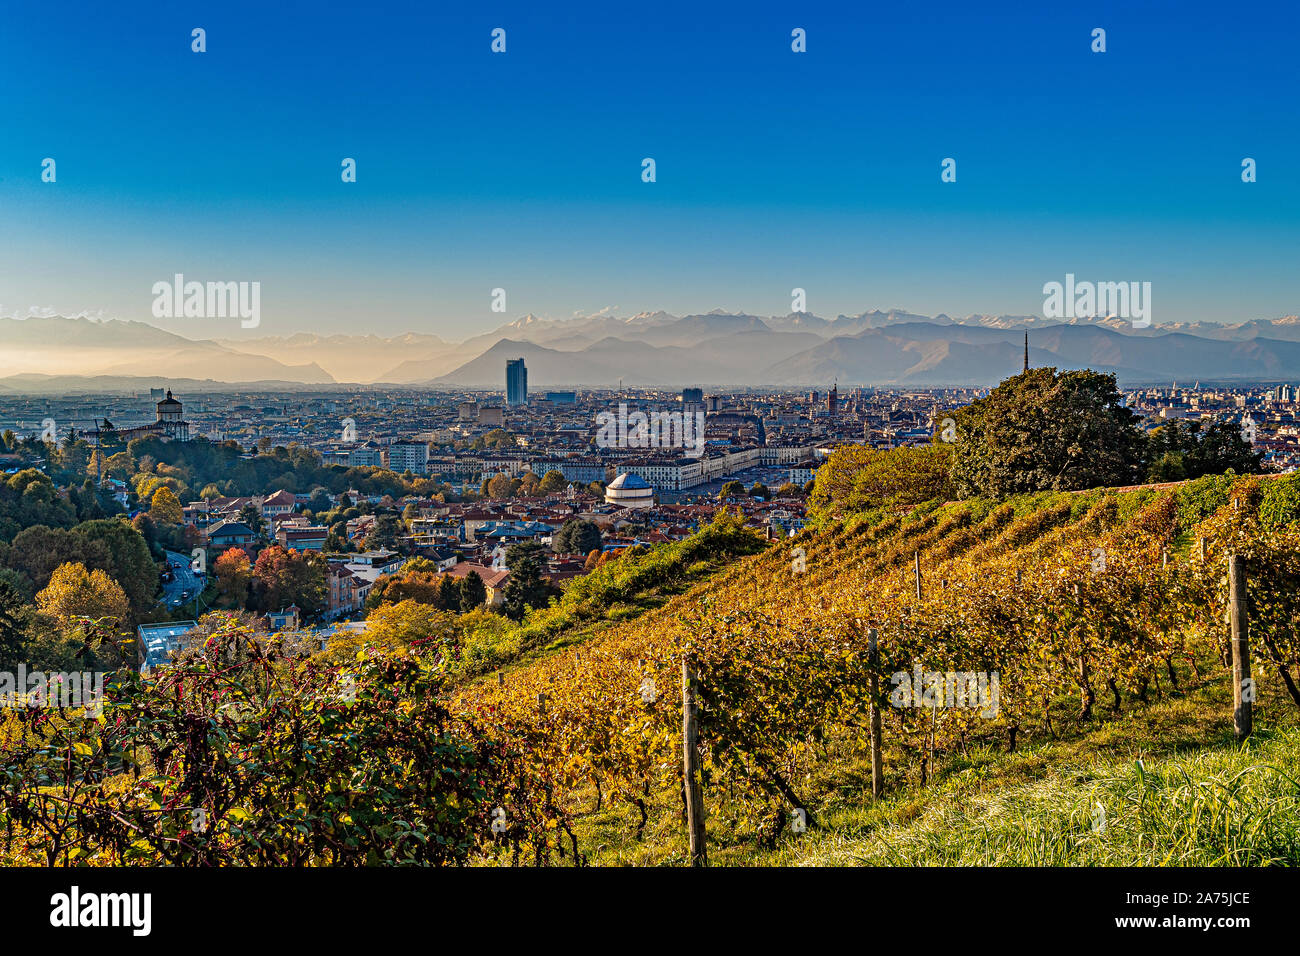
point(1026, 351)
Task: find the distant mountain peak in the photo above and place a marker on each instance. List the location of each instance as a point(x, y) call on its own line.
point(715, 348)
point(659, 316)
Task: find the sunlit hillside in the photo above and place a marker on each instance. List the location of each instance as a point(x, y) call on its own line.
point(1102, 614)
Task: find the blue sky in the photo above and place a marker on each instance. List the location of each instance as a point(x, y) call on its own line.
point(523, 171)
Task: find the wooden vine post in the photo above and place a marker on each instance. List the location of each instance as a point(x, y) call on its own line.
point(917, 565)
point(1242, 702)
point(691, 768)
point(873, 661)
point(1088, 698)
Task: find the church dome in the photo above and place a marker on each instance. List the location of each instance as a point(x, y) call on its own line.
point(628, 481)
point(630, 490)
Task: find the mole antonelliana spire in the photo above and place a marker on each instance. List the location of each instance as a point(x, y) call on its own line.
point(1026, 351)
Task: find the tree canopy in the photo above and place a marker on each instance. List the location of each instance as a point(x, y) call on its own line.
point(1046, 430)
point(857, 478)
point(1181, 450)
point(526, 587)
point(75, 593)
point(576, 536)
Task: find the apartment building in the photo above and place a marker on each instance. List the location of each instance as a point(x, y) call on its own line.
point(412, 456)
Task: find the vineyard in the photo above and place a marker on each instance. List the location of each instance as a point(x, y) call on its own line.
point(841, 679)
point(1082, 605)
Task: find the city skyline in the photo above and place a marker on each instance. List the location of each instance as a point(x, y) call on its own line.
point(519, 172)
point(593, 434)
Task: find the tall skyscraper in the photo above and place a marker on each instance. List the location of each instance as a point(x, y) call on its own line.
point(692, 396)
point(516, 382)
point(833, 400)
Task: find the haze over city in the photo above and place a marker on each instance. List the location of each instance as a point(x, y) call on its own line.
point(53, 354)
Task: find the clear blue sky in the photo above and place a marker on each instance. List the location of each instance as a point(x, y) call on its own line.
point(523, 170)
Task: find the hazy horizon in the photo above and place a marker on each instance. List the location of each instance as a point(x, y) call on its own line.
point(886, 349)
point(193, 333)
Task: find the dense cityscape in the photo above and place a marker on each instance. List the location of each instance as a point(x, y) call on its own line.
point(489, 471)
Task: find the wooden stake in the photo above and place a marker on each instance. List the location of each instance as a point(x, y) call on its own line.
point(917, 560)
point(691, 769)
point(877, 770)
point(1088, 698)
point(1242, 708)
point(1202, 546)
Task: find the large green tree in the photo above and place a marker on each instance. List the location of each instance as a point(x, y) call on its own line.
point(552, 482)
point(30, 498)
point(576, 536)
point(130, 563)
point(12, 623)
point(473, 592)
point(388, 529)
point(1180, 450)
point(252, 518)
point(1044, 430)
point(856, 478)
point(449, 593)
point(526, 587)
point(36, 551)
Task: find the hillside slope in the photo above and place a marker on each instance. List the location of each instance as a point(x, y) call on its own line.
point(1095, 611)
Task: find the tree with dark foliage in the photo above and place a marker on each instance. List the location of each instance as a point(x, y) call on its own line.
point(1043, 430)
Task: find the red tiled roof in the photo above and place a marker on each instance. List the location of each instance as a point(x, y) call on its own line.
point(490, 577)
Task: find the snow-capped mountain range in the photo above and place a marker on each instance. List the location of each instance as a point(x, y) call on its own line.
point(718, 348)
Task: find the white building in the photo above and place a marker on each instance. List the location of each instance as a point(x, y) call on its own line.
point(630, 491)
point(804, 472)
point(670, 474)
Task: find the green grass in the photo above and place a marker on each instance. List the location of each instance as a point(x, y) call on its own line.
point(1176, 791)
point(1227, 807)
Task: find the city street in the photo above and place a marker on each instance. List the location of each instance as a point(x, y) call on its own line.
point(183, 579)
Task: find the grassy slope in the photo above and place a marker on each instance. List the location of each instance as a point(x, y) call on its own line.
point(1197, 800)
